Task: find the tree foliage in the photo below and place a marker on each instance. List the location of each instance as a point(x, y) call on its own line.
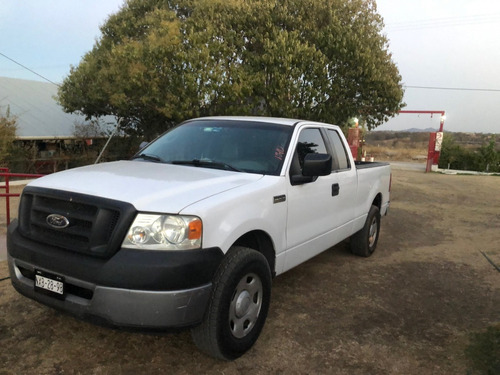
point(160, 62)
point(8, 127)
point(489, 157)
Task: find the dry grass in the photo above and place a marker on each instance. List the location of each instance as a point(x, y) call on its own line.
point(399, 154)
point(402, 149)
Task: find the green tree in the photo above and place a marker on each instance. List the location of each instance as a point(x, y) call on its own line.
point(8, 127)
point(451, 154)
point(160, 62)
point(489, 157)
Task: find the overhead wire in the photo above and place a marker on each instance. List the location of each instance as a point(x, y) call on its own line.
point(478, 19)
point(56, 84)
point(445, 22)
point(31, 70)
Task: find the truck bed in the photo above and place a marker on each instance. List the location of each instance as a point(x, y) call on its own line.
point(369, 164)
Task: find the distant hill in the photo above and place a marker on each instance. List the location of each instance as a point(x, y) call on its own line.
point(415, 130)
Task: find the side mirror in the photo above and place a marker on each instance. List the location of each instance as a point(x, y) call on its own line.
point(317, 165)
point(143, 144)
point(314, 165)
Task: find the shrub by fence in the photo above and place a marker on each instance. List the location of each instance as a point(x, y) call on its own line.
point(483, 159)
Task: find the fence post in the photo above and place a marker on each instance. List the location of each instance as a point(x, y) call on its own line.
point(6, 187)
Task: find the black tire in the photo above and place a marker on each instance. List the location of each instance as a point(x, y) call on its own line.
point(238, 306)
point(364, 242)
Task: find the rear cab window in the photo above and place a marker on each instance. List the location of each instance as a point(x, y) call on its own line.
point(340, 156)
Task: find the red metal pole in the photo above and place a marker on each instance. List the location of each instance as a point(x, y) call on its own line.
point(441, 123)
point(424, 112)
point(7, 198)
point(432, 154)
point(24, 175)
point(437, 153)
point(4, 172)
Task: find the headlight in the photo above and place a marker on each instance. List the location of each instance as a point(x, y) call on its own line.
point(164, 232)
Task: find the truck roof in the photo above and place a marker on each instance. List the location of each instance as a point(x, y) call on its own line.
point(273, 120)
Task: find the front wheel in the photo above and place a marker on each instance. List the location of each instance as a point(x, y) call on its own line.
point(238, 306)
point(364, 242)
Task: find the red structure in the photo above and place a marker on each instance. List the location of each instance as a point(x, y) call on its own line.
point(4, 172)
point(353, 138)
point(435, 139)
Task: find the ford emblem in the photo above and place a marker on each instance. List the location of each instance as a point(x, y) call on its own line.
point(57, 221)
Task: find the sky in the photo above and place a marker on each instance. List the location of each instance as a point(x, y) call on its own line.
point(442, 44)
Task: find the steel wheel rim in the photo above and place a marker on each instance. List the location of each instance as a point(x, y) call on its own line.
point(245, 306)
point(372, 235)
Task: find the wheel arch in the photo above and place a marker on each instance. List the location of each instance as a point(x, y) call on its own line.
point(377, 201)
point(260, 241)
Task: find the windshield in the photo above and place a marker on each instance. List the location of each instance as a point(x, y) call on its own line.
point(245, 146)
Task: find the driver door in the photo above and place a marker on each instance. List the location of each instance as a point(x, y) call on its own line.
point(318, 211)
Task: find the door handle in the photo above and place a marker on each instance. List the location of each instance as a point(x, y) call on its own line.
point(335, 189)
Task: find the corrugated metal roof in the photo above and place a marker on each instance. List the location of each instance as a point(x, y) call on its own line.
point(38, 114)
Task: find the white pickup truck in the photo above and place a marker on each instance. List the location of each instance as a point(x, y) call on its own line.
point(191, 231)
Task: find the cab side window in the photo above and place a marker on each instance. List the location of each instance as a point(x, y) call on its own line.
point(310, 141)
point(340, 159)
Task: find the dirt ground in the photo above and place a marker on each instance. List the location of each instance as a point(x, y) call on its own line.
point(409, 309)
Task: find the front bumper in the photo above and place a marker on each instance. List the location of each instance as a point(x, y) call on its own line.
point(119, 307)
point(133, 288)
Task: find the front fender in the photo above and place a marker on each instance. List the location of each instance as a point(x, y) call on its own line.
point(231, 214)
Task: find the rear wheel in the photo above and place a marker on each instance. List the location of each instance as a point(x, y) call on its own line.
point(238, 305)
point(364, 242)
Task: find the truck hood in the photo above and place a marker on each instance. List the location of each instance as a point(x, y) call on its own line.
point(151, 187)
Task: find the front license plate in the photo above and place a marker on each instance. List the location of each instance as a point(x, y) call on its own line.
point(49, 283)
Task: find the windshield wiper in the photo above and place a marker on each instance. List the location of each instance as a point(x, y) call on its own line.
point(207, 163)
point(149, 157)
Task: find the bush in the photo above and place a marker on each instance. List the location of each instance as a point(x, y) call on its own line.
point(8, 126)
point(489, 158)
point(484, 159)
